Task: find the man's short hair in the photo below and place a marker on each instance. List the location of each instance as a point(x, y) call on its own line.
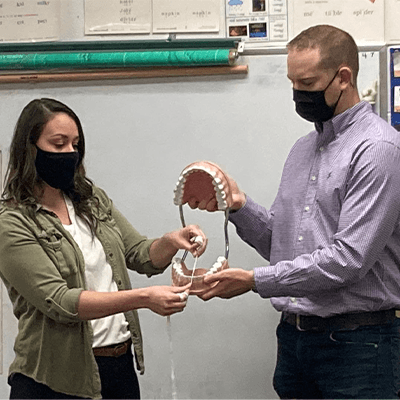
point(337, 47)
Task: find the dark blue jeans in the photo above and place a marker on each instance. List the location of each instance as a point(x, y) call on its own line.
point(118, 381)
point(354, 364)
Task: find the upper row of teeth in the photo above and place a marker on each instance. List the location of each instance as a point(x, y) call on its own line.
point(177, 266)
point(217, 183)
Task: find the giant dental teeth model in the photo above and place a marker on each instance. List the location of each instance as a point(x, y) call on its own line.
point(201, 182)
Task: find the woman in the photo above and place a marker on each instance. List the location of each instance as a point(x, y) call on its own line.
point(64, 254)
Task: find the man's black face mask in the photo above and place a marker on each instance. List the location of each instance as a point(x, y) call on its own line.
point(311, 105)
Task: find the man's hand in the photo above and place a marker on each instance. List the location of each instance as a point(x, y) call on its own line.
point(227, 284)
point(236, 199)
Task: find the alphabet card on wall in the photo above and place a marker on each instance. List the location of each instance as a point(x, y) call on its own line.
point(363, 19)
point(392, 16)
point(29, 21)
point(117, 16)
point(182, 16)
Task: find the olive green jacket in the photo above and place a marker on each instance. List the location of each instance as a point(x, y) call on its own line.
point(44, 272)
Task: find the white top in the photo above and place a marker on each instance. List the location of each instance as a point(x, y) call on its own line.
point(98, 274)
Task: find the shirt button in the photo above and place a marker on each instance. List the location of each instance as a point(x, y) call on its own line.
point(306, 208)
point(321, 148)
point(300, 238)
point(111, 254)
point(293, 300)
point(313, 178)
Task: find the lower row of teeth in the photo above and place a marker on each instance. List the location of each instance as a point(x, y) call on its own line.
point(177, 266)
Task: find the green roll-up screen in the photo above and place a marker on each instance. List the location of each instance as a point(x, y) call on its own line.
point(68, 60)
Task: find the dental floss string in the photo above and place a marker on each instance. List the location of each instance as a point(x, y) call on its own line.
point(171, 355)
point(194, 268)
point(199, 240)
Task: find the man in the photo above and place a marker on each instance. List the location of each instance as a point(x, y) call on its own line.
point(332, 235)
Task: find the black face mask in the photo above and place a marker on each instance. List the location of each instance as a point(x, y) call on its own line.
point(57, 169)
point(312, 105)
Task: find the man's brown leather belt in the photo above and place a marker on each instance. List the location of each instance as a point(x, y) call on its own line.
point(115, 350)
point(338, 322)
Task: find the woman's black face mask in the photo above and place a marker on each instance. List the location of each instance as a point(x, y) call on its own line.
point(57, 169)
point(311, 105)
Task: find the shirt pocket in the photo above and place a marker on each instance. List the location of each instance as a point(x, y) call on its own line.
point(56, 247)
point(108, 225)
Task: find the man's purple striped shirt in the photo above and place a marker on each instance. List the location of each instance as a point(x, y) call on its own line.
point(332, 235)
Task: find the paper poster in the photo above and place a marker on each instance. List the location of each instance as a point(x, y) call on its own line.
point(363, 19)
point(392, 18)
point(117, 16)
point(394, 85)
point(185, 16)
point(29, 21)
point(257, 20)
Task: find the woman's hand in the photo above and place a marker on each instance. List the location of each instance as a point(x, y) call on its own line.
point(190, 238)
point(166, 300)
point(163, 300)
point(163, 249)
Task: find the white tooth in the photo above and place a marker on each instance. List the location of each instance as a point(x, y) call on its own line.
point(221, 195)
point(222, 205)
point(221, 259)
point(217, 181)
point(213, 174)
point(221, 187)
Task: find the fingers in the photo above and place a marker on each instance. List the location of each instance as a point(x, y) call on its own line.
point(209, 204)
point(180, 301)
point(207, 294)
point(168, 300)
point(183, 296)
point(212, 278)
point(193, 202)
point(182, 293)
point(198, 240)
point(212, 205)
point(199, 245)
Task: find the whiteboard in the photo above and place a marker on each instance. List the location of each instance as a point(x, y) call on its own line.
point(140, 134)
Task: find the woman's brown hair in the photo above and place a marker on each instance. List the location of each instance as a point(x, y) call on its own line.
point(22, 181)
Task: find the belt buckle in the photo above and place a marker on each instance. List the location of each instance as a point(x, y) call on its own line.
point(298, 323)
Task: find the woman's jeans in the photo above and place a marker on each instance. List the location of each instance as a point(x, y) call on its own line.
point(117, 375)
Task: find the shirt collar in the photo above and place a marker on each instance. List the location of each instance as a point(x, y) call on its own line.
point(341, 122)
